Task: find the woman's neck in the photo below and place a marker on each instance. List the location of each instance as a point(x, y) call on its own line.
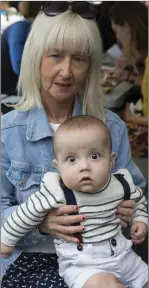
point(58, 111)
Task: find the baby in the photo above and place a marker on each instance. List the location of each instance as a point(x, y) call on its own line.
point(84, 159)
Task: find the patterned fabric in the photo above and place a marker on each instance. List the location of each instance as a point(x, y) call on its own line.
point(138, 137)
point(33, 270)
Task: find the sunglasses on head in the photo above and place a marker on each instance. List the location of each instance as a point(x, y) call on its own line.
point(84, 9)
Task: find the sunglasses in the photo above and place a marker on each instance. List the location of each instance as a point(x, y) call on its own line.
point(83, 8)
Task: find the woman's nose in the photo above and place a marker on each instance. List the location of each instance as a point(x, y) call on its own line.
point(66, 68)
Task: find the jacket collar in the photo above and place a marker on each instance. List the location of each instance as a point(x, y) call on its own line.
point(38, 125)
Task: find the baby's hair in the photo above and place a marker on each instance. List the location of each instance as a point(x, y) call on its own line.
point(83, 122)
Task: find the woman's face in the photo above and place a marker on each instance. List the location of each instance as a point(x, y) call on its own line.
point(63, 74)
point(123, 35)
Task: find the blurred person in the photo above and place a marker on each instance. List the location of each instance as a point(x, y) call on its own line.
point(130, 24)
point(13, 40)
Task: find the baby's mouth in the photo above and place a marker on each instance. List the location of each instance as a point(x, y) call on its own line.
point(86, 179)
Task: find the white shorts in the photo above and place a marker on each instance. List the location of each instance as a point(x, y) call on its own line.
point(76, 267)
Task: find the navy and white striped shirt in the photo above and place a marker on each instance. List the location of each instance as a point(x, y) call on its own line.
point(100, 208)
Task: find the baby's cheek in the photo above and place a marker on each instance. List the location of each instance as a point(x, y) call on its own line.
point(69, 179)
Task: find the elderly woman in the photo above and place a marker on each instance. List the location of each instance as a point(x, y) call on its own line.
point(59, 78)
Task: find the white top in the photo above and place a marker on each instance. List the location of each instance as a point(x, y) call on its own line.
point(54, 126)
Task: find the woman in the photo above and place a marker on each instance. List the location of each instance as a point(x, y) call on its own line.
point(130, 24)
point(59, 78)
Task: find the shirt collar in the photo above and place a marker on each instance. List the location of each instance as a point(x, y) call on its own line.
point(38, 125)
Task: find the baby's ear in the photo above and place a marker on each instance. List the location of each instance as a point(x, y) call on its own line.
point(113, 158)
point(55, 163)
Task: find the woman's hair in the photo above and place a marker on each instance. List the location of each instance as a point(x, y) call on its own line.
point(66, 32)
point(135, 14)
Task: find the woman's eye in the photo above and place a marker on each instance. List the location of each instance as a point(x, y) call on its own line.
point(55, 56)
point(71, 159)
point(95, 156)
point(78, 59)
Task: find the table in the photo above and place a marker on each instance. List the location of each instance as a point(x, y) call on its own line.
point(117, 96)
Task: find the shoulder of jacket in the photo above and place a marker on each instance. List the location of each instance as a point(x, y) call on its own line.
point(113, 117)
point(14, 118)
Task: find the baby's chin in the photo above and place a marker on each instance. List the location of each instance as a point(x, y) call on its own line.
point(85, 189)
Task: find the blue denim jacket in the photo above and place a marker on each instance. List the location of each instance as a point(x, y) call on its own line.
point(27, 153)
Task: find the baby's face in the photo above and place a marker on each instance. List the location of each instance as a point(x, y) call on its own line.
point(83, 159)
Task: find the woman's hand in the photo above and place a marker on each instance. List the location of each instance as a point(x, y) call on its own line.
point(125, 211)
point(57, 223)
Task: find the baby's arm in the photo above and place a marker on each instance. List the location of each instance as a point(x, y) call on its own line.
point(139, 221)
point(140, 217)
point(30, 214)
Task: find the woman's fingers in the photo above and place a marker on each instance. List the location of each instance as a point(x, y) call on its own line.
point(56, 222)
point(124, 212)
point(67, 229)
point(69, 220)
point(124, 218)
point(128, 204)
point(65, 209)
point(123, 224)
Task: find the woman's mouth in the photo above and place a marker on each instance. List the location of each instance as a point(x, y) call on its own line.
point(61, 85)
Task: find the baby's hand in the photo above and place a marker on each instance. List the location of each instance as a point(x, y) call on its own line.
point(6, 251)
point(138, 232)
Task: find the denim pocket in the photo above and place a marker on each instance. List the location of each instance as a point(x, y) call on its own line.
point(24, 176)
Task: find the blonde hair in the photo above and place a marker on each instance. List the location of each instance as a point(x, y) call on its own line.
point(69, 32)
point(83, 122)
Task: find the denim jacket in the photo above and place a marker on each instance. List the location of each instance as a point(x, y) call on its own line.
point(27, 153)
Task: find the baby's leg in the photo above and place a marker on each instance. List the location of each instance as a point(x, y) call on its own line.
point(103, 280)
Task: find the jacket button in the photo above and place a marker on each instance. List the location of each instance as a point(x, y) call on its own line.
point(21, 183)
point(80, 247)
point(113, 242)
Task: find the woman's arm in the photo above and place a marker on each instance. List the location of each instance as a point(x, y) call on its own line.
point(139, 120)
point(9, 203)
point(124, 160)
point(55, 222)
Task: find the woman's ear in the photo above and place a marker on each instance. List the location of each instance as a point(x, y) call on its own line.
point(55, 163)
point(113, 158)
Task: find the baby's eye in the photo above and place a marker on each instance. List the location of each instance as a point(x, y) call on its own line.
point(71, 159)
point(95, 156)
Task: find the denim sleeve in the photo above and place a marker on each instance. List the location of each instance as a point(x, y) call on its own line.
point(17, 36)
point(124, 159)
point(9, 204)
